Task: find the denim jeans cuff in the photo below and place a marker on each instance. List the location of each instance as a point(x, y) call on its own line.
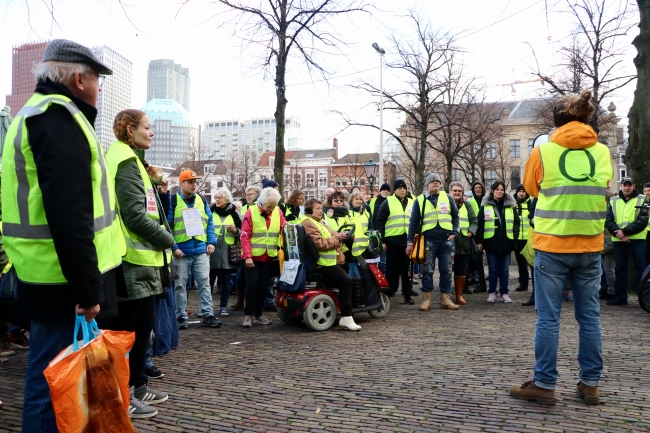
point(427, 289)
point(447, 290)
point(589, 382)
point(549, 386)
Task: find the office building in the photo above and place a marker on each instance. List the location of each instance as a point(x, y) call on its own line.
point(175, 139)
point(168, 80)
point(252, 137)
point(23, 59)
point(115, 95)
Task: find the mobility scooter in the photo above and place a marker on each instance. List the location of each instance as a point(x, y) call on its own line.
point(316, 302)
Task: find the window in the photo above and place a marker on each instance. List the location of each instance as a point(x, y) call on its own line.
point(515, 177)
point(531, 143)
point(220, 184)
point(515, 149)
point(455, 175)
point(491, 150)
point(490, 178)
point(297, 180)
point(208, 169)
point(271, 161)
point(309, 180)
point(322, 179)
point(623, 173)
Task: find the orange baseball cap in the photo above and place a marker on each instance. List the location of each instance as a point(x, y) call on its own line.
point(187, 175)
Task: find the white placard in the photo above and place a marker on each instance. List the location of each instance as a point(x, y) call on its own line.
point(193, 223)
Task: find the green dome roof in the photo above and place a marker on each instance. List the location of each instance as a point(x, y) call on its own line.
point(167, 109)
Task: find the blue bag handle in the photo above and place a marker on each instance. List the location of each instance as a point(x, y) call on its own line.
point(87, 329)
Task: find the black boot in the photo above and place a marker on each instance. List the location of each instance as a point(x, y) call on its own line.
point(530, 302)
point(519, 288)
point(408, 300)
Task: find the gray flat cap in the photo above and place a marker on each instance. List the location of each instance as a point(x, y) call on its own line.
point(63, 50)
point(431, 177)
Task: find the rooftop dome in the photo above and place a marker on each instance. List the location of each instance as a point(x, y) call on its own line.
point(167, 109)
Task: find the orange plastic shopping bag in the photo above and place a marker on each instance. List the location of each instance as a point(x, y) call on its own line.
point(89, 384)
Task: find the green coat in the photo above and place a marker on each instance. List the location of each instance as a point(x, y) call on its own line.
point(463, 243)
point(141, 281)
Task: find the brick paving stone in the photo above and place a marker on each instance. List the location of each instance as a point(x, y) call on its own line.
point(446, 371)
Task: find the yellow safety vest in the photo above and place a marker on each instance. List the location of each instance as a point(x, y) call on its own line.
point(8, 267)
point(474, 204)
point(27, 237)
point(490, 217)
point(626, 213)
point(524, 221)
point(571, 199)
point(433, 216)
point(360, 221)
point(325, 258)
point(179, 223)
point(138, 250)
point(219, 222)
point(265, 240)
point(335, 223)
point(398, 219)
point(463, 219)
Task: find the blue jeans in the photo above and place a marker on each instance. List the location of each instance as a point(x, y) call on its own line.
point(582, 273)
point(148, 361)
point(498, 264)
point(46, 341)
point(269, 301)
point(442, 252)
point(382, 262)
point(622, 251)
point(9, 289)
point(199, 266)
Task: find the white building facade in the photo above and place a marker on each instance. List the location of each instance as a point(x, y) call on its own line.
point(115, 95)
point(168, 80)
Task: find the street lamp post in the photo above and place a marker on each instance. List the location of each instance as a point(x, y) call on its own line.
point(371, 172)
point(381, 52)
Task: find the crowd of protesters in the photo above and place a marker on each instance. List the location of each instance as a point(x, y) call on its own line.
point(111, 262)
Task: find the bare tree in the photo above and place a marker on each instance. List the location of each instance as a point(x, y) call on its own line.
point(420, 58)
point(595, 54)
point(281, 29)
point(197, 157)
point(240, 172)
point(638, 150)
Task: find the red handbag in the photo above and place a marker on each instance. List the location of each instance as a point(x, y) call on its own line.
point(379, 275)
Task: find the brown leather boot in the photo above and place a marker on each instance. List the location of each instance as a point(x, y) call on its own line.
point(531, 392)
point(426, 301)
point(239, 305)
point(459, 284)
point(445, 302)
point(589, 394)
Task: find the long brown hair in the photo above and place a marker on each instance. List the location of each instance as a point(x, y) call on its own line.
point(293, 198)
point(126, 118)
point(573, 107)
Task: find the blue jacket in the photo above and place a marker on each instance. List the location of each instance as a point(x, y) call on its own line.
point(193, 247)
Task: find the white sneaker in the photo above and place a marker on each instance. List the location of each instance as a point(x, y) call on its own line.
point(492, 297)
point(348, 324)
point(505, 298)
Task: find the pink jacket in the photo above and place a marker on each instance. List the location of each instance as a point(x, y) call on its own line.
point(247, 229)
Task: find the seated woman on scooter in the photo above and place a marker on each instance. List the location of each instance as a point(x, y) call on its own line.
point(336, 211)
point(328, 244)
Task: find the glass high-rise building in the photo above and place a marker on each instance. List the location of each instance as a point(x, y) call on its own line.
point(168, 80)
point(115, 95)
point(251, 137)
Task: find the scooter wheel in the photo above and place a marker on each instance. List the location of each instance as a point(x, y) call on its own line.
point(320, 313)
point(383, 310)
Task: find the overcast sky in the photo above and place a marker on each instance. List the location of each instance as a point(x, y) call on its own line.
point(226, 83)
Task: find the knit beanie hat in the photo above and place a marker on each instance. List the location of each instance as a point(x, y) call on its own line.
point(399, 183)
point(519, 187)
point(385, 187)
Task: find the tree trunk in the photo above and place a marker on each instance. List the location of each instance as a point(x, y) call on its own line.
point(281, 100)
point(419, 169)
point(638, 150)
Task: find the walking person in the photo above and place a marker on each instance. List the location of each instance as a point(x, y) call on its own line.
point(468, 226)
point(393, 223)
point(628, 225)
point(498, 230)
point(475, 263)
point(193, 229)
point(569, 219)
point(51, 148)
point(227, 229)
point(435, 216)
point(522, 200)
point(146, 239)
point(260, 240)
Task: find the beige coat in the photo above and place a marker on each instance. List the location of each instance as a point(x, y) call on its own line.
point(323, 244)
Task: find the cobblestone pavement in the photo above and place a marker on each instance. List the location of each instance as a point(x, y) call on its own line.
point(409, 372)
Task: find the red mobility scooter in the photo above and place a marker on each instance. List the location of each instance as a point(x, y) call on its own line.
point(315, 302)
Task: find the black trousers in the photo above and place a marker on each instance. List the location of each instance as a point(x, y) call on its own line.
point(338, 278)
point(257, 281)
point(397, 266)
point(522, 264)
point(460, 265)
point(475, 265)
point(135, 316)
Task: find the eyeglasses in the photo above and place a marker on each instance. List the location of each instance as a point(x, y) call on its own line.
point(337, 200)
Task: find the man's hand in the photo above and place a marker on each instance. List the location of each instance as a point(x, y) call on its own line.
point(342, 236)
point(249, 263)
point(383, 246)
point(451, 238)
point(409, 250)
point(619, 234)
point(470, 234)
point(164, 185)
point(625, 239)
point(210, 249)
point(89, 312)
point(479, 247)
point(178, 253)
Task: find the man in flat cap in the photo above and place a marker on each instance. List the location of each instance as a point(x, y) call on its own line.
point(59, 221)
